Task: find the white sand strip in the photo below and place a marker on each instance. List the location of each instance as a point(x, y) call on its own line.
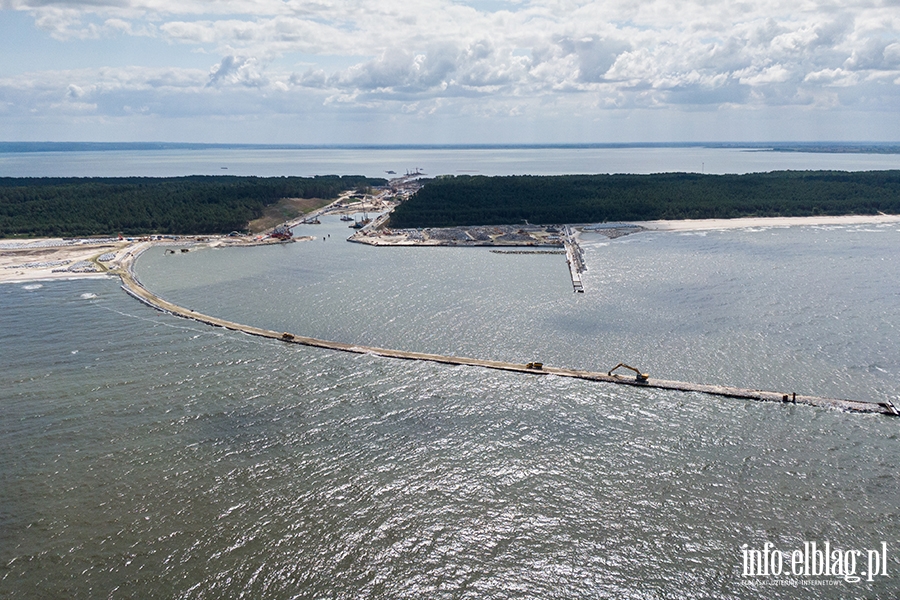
point(743, 222)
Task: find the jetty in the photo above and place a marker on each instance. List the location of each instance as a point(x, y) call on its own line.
point(132, 286)
point(574, 258)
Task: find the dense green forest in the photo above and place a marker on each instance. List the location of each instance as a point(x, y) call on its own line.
point(136, 205)
point(480, 200)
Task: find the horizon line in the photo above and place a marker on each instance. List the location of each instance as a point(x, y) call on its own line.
point(87, 146)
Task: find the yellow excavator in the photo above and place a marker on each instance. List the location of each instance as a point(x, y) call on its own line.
point(641, 377)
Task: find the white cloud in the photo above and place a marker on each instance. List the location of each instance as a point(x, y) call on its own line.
point(756, 77)
point(833, 77)
point(555, 58)
point(237, 70)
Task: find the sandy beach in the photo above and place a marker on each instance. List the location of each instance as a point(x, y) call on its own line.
point(49, 258)
point(43, 259)
point(740, 223)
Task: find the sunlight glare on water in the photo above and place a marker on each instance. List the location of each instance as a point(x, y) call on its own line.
point(143, 455)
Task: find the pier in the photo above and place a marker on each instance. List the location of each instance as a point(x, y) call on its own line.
point(574, 258)
point(133, 287)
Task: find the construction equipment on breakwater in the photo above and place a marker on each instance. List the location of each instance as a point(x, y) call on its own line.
point(133, 287)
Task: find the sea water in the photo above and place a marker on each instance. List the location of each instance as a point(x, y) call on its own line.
point(381, 162)
point(143, 455)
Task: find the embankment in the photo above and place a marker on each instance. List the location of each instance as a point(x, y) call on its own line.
point(133, 286)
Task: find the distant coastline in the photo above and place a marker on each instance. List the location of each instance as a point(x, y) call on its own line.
point(828, 147)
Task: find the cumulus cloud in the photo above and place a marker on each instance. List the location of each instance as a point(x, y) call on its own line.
point(833, 77)
point(756, 76)
point(237, 70)
point(105, 89)
point(443, 55)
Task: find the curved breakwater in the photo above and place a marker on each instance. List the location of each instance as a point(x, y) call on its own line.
point(132, 286)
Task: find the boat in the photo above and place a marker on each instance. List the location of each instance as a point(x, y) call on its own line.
point(346, 218)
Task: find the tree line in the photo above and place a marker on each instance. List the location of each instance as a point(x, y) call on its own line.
point(481, 200)
point(49, 206)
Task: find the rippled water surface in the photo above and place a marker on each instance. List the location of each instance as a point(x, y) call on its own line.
point(805, 309)
point(147, 456)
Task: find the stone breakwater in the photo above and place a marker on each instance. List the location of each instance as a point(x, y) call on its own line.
point(528, 251)
point(82, 266)
point(133, 287)
point(48, 264)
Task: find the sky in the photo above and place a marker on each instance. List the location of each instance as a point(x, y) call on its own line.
point(449, 71)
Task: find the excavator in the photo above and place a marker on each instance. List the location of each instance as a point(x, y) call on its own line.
point(641, 377)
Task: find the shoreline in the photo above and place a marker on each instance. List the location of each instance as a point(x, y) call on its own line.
point(26, 260)
point(41, 259)
point(122, 266)
point(52, 259)
point(743, 222)
point(549, 235)
point(54, 277)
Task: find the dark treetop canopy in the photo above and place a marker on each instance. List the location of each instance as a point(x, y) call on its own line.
point(479, 200)
point(135, 205)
